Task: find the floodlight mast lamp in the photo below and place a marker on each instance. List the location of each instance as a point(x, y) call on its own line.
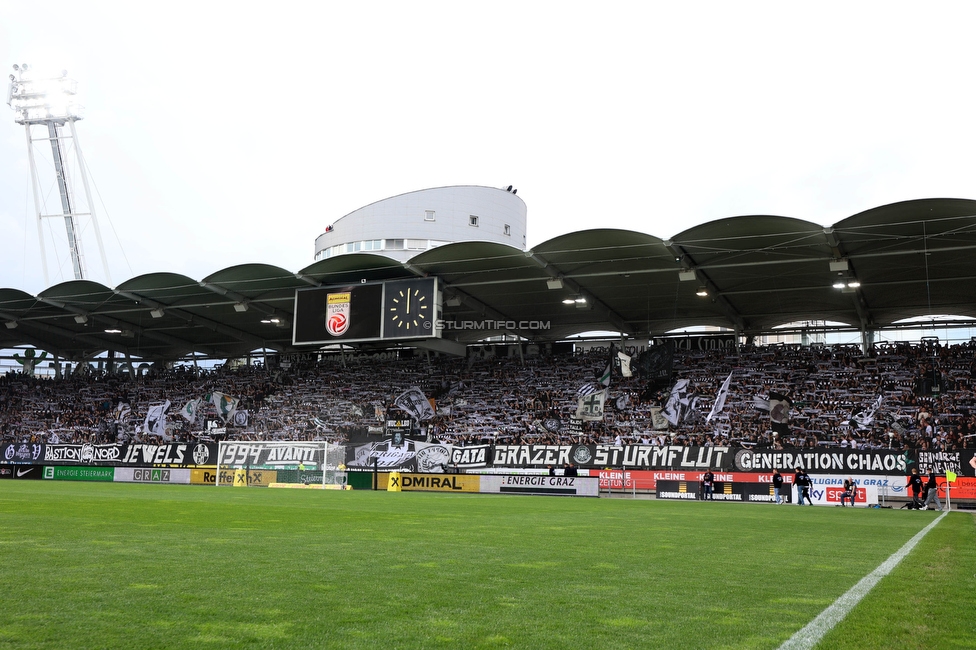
point(51, 103)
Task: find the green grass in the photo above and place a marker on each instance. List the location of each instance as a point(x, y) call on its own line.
point(137, 566)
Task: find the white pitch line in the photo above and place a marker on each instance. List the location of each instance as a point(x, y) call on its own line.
point(815, 630)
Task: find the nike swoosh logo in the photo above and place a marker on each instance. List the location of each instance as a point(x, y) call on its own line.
point(21, 472)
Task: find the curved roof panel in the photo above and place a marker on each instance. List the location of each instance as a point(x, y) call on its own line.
point(913, 258)
point(760, 269)
point(167, 288)
point(757, 272)
point(353, 267)
point(15, 302)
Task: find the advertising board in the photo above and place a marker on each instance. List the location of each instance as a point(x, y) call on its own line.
point(29, 472)
point(829, 495)
point(64, 473)
point(432, 482)
point(577, 486)
point(616, 479)
point(254, 477)
point(152, 475)
point(751, 492)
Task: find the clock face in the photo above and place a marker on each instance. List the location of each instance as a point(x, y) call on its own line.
point(408, 309)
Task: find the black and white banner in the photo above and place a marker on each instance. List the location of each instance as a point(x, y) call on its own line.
point(942, 461)
point(87, 454)
point(414, 455)
point(181, 454)
point(470, 457)
point(175, 453)
point(267, 454)
point(408, 456)
point(598, 456)
point(878, 461)
point(677, 457)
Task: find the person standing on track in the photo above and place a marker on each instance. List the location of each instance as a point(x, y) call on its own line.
point(708, 482)
point(915, 485)
point(803, 486)
point(932, 493)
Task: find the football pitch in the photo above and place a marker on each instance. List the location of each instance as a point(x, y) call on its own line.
point(147, 566)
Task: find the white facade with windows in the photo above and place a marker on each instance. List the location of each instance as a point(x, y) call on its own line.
point(408, 224)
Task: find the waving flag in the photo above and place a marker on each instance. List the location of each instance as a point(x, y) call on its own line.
point(678, 402)
point(779, 412)
point(189, 410)
point(591, 406)
point(719, 404)
point(122, 411)
point(589, 389)
point(624, 361)
point(414, 402)
point(155, 424)
point(225, 404)
point(656, 363)
point(865, 417)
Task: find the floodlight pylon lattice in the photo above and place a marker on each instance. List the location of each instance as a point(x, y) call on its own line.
point(49, 105)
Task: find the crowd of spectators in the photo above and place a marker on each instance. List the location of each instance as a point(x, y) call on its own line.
point(926, 399)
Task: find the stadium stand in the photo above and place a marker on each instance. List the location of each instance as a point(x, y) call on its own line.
point(899, 396)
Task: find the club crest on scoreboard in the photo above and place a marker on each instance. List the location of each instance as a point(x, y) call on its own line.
point(337, 313)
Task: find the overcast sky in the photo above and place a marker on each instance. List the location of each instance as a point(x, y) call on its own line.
point(219, 134)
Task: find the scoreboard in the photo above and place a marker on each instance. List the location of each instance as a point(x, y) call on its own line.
point(371, 311)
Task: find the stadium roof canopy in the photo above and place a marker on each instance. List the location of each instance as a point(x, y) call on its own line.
point(914, 258)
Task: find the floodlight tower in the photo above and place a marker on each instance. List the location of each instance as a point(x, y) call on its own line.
point(49, 104)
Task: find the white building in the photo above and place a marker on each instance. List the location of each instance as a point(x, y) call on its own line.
point(408, 224)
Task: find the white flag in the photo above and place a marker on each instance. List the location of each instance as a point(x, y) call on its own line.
point(590, 407)
point(864, 419)
point(623, 402)
point(122, 411)
point(589, 389)
point(624, 365)
point(225, 404)
point(779, 408)
point(240, 418)
point(155, 423)
point(719, 404)
point(414, 402)
point(189, 410)
point(677, 402)
point(657, 420)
